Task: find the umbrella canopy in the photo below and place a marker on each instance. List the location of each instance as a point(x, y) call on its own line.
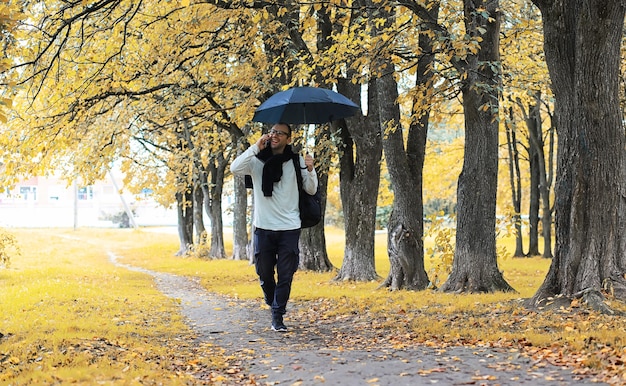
point(305, 105)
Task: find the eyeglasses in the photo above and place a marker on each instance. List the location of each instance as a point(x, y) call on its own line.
point(278, 133)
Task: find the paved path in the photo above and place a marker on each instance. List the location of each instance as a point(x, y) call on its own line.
point(301, 358)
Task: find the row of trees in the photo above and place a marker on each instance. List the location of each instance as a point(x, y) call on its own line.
point(169, 88)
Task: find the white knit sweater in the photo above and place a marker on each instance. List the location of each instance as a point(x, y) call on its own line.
point(280, 211)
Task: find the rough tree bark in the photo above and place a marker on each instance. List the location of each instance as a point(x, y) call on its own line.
point(240, 224)
point(184, 209)
point(360, 157)
point(543, 171)
point(313, 254)
point(405, 244)
point(198, 204)
point(547, 209)
point(535, 150)
point(213, 204)
point(240, 207)
point(582, 41)
point(475, 266)
point(515, 182)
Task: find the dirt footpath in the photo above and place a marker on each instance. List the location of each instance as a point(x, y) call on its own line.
point(307, 354)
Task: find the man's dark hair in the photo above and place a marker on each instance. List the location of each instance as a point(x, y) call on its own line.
point(287, 125)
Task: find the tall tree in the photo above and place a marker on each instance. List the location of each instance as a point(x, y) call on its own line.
point(286, 46)
point(405, 161)
point(359, 146)
point(359, 175)
point(515, 180)
point(533, 124)
point(527, 95)
point(475, 267)
point(134, 67)
point(541, 166)
point(313, 251)
point(240, 223)
point(582, 41)
point(546, 182)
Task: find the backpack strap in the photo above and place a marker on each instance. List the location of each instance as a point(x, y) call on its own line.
point(296, 165)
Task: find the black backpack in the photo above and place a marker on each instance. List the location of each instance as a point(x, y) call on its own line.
point(310, 205)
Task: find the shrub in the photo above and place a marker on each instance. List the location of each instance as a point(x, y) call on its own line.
point(8, 247)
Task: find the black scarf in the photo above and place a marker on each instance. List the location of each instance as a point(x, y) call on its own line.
point(273, 167)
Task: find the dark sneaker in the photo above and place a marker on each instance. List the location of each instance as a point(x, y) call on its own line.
point(278, 325)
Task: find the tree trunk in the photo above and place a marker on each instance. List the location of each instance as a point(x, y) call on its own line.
point(405, 239)
point(547, 208)
point(185, 220)
point(582, 44)
point(240, 207)
point(544, 171)
point(313, 253)
point(515, 182)
point(405, 243)
point(213, 205)
point(240, 224)
point(475, 266)
point(198, 218)
point(535, 148)
point(360, 157)
point(537, 145)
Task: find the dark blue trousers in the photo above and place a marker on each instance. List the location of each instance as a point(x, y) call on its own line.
point(276, 250)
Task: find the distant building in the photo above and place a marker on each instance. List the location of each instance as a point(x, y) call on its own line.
point(49, 202)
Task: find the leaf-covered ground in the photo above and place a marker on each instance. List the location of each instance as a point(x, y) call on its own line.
point(318, 326)
point(375, 348)
point(400, 329)
point(69, 315)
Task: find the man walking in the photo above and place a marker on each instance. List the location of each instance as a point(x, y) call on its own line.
point(276, 215)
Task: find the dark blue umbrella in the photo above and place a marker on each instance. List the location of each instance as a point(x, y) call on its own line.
point(305, 105)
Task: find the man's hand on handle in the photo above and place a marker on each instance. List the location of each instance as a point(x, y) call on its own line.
point(308, 162)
